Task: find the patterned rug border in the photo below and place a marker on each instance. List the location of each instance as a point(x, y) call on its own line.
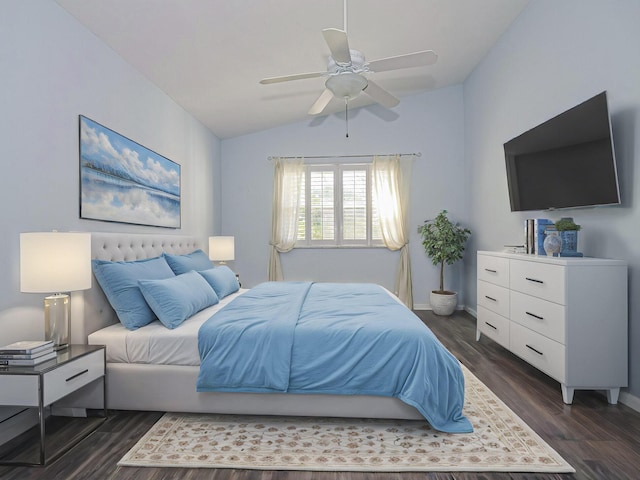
point(142, 453)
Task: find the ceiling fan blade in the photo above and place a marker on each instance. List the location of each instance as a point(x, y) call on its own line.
point(338, 44)
point(322, 101)
point(380, 95)
point(287, 78)
point(416, 59)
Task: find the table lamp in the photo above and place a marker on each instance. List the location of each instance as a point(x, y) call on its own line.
point(57, 263)
point(221, 249)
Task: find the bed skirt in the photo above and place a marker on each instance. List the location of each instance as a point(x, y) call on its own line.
point(169, 388)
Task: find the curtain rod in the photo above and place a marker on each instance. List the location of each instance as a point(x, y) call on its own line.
point(416, 154)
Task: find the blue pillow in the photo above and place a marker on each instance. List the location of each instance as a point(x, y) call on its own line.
point(175, 299)
point(197, 260)
point(222, 279)
point(119, 282)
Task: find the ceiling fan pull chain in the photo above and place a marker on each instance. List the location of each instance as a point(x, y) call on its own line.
point(346, 114)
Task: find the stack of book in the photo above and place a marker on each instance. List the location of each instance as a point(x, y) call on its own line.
point(27, 353)
point(534, 233)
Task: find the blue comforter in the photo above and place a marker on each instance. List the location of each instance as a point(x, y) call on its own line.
point(351, 339)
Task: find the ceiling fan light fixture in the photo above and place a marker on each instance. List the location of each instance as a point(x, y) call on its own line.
point(346, 85)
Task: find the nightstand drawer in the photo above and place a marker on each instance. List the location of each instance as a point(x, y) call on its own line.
point(493, 297)
point(71, 376)
point(19, 390)
point(539, 315)
point(541, 280)
point(541, 352)
point(494, 270)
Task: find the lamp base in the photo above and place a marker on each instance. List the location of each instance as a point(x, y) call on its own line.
point(57, 313)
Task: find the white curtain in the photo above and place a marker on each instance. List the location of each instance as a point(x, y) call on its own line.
point(391, 181)
point(287, 181)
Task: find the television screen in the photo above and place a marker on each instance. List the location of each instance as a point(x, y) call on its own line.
point(567, 161)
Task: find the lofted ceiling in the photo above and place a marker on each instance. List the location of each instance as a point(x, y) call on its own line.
point(209, 55)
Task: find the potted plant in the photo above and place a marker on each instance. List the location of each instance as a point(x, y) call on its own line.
point(568, 232)
point(443, 242)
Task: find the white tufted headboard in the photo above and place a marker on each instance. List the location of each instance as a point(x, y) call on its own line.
point(91, 310)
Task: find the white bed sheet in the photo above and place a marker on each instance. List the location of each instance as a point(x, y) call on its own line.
point(156, 344)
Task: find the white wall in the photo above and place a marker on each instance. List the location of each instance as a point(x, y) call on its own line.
point(554, 56)
point(429, 123)
point(53, 69)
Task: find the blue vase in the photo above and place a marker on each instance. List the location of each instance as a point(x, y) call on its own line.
point(552, 244)
point(569, 241)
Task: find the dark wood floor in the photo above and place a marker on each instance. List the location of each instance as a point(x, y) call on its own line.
point(601, 441)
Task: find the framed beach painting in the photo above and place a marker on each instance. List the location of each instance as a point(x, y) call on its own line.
point(122, 181)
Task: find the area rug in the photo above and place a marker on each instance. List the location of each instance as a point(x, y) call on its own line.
point(501, 442)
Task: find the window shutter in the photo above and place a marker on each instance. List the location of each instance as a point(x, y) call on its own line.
point(337, 207)
point(322, 205)
point(302, 211)
point(354, 205)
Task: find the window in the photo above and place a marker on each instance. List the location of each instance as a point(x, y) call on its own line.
point(337, 207)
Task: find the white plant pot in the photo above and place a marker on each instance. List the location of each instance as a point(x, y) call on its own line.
point(443, 304)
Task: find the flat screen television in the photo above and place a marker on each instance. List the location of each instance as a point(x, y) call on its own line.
point(565, 162)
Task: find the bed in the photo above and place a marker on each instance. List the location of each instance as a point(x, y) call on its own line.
point(155, 368)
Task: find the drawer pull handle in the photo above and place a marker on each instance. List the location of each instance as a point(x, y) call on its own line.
point(535, 280)
point(537, 351)
point(490, 298)
point(534, 315)
point(77, 375)
point(490, 270)
point(495, 328)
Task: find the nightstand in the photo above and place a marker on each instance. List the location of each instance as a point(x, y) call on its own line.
point(38, 388)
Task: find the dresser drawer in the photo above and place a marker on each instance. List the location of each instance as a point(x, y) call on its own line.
point(541, 280)
point(494, 270)
point(494, 326)
point(493, 297)
point(541, 352)
point(71, 376)
point(539, 315)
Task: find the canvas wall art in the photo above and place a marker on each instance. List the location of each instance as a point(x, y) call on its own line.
point(122, 181)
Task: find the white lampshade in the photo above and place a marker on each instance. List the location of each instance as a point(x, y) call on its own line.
point(53, 262)
point(221, 249)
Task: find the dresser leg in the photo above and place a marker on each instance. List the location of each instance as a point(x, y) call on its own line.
point(478, 335)
point(567, 394)
point(612, 395)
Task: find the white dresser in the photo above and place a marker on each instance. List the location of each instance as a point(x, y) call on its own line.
point(565, 316)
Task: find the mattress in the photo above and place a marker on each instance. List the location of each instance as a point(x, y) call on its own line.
point(154, 343)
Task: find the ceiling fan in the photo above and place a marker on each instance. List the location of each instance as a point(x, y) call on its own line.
point(348, 71)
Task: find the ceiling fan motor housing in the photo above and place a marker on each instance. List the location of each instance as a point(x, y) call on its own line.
point(357, 64)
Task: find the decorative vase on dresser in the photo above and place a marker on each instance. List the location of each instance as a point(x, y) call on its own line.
point(552, 244)
point(565, 316)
